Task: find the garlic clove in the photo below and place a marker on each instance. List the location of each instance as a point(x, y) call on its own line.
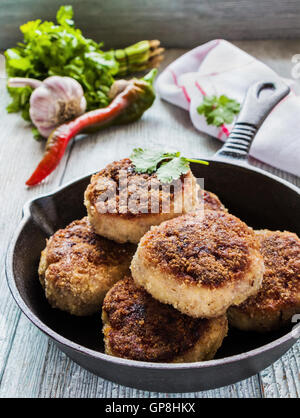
point(43, 110)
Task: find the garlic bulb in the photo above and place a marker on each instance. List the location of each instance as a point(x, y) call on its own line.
point(53, 102)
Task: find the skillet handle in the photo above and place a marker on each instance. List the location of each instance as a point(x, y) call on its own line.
point(260, 99)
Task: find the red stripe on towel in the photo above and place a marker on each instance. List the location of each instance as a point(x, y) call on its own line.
point(200, 88)
point(185, 94)
point(184, 91)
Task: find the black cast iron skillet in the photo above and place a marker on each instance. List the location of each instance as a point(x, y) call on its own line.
point(261, 199)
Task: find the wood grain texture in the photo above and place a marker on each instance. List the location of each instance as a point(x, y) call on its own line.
point(281, 380)
point(18, 154)
point(30, 364)
point(190, 22)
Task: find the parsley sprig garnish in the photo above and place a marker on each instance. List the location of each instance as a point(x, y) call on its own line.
point(218, 110)
point(168, 166)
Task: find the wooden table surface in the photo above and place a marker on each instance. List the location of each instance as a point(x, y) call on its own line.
point(30, 364)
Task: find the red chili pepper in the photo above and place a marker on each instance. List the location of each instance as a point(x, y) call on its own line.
point(127, 106)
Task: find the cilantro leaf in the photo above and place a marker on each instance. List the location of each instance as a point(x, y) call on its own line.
point(20, 100)
point(64, 15)
point(168, 166)
point(173, 169)
point(35, 132)
point(218, 110)
point(146, 161)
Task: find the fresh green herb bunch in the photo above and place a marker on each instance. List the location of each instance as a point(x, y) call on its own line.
point(168, 166)
point(61, 49)
point(218, 110)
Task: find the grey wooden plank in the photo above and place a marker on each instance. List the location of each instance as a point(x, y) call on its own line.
point(180, 24)
point(281, 379)
point(36, 361)
point(19, 153)
point(62, 378)
point(277, 54)
point(28, 357)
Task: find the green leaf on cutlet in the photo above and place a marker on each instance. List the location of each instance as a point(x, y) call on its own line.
point(167, 166)
point(147, 160)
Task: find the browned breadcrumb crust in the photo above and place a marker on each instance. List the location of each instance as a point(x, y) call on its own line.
point(281, 282)
point(210, 200)
point(107, 182)
point(209, 250)
point(78, 267)
point(79, 244)
point(141, 328)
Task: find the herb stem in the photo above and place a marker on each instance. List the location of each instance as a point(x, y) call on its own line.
point(190, 160)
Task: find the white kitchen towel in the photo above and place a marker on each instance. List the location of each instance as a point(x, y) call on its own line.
point(218, 67)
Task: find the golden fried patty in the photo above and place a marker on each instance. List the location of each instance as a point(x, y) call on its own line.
point(210, 200)
point(138, 327)
point(123, 204)
point(199, 264)
point(78, 267)
point(279, 297)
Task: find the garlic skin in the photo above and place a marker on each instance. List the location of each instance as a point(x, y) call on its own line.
point(117, 87)
point(55, 101)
